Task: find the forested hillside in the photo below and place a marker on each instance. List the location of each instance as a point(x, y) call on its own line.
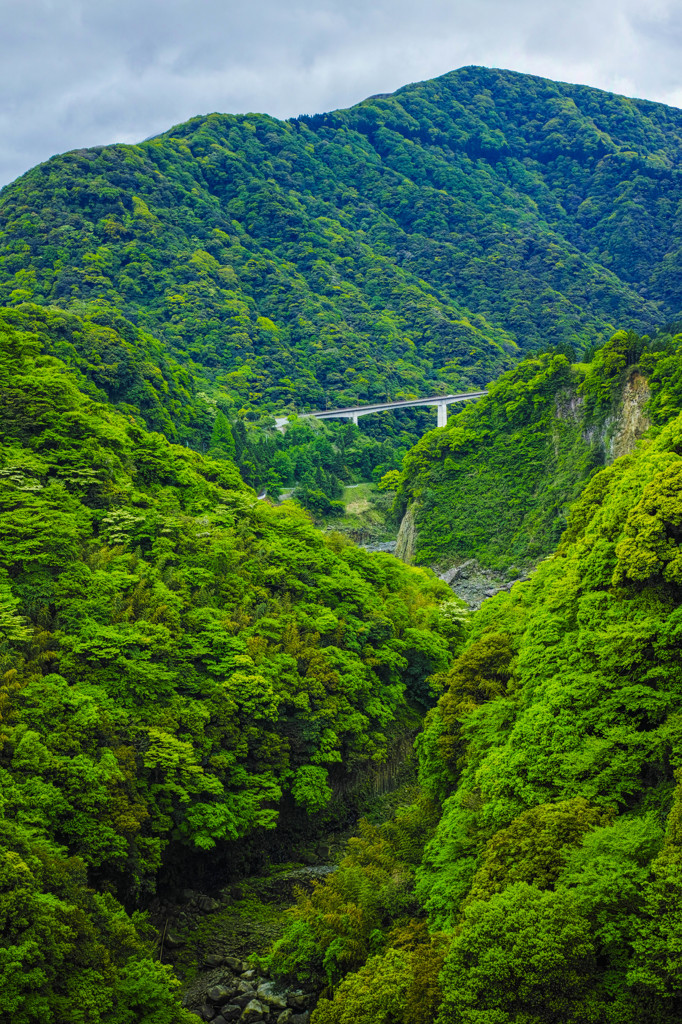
point(181, 665)
point(116, 362)
point(413, 243)
point(539, 877)
point(193, 679)
point(496, 484)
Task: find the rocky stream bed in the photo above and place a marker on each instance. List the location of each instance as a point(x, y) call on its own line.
point(213, 938)
point(213, 941)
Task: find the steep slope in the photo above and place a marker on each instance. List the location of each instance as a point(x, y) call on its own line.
point(539, 877)
point(180, 665)
point(116, 362)
point(496, 484)
point(412, 243)
point(565, 707)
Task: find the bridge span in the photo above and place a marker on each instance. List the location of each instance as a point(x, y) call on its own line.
point(353, 412)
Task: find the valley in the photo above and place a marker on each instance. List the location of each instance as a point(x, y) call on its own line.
point(336, 722)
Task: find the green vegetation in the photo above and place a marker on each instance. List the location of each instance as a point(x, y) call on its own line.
point(542, 864)
point(411, 244)
point(368, 514)
point(497, 482)
point(113, 361)
point(239, 266)
point(179, 662)
point(185, 668)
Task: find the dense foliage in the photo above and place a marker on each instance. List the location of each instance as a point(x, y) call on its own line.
point(179, 662)
point(412, 243)
point(497, 483)
point(114, 361)
point(494, 484)
point(552, 883)
point(183, 666)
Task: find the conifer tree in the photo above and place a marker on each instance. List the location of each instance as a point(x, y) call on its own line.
point(222, 441)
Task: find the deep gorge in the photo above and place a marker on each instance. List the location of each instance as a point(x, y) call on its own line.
point(254, 766)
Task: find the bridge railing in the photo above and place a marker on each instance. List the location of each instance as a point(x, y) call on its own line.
point(353, 412)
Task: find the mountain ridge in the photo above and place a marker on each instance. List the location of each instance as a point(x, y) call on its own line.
point(184, 668)
point(419, 241)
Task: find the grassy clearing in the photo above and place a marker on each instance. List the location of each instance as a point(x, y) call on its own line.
point(367, 518)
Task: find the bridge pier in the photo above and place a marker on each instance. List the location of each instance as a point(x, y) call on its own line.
point(353, 413)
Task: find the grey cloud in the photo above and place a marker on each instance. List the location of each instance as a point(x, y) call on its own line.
point(76, 73)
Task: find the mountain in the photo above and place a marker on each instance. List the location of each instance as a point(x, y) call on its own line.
point(415, 242)
point(193, 680)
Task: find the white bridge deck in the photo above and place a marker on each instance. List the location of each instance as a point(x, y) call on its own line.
point(353, 412)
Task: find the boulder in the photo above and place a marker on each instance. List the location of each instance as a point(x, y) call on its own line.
point(300, 1018)
point(207, 1012)
point(244, 999)
point(234, 964)
point(249, 975)
point(213, 960)
point(299, 1000)
point(254, 1011)
point(228, 1014)
point(207, 904)
point(285, 1017)
point(220, 994)
point(269, 993)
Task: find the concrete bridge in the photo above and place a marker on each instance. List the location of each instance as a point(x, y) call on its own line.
point(353, 412)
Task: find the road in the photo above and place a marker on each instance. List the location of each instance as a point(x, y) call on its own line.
point(353, 412)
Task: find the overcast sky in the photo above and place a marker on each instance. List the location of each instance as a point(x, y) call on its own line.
point(84, 72)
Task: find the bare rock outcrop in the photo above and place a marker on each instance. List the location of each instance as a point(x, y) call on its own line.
point(407, 535)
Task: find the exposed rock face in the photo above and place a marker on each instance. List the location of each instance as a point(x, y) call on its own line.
point(621, 430)
point(616, 435)
point(473, 584)
point(407, 536)
point(631, 421)
point(469, 580)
